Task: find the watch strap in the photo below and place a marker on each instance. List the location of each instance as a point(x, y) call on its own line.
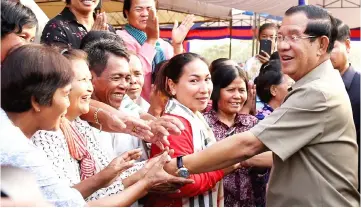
point(179, 162)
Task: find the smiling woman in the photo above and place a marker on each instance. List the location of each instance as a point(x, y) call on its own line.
point(35, 90)
point(246, 186)
point(73, 23)
point(186, 81)
point(18, 26)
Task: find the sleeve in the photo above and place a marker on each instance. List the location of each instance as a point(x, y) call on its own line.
point(296, 123)
point(183, 145)
point(55, 190)
point(54, 33)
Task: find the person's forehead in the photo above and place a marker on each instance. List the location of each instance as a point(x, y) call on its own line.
point(295, 23)
point(143, 3)
point(196, 67)
point(80, 67)
point(269, 31)
point(117, 64)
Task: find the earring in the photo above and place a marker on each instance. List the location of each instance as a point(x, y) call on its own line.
point(37, 110)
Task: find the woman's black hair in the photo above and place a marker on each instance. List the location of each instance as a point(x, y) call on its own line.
point(267, 26)
point(270, 74)
point(173, 70)
point(157, 69)
point(222, 76)
point(14, 16)
point(32, 71)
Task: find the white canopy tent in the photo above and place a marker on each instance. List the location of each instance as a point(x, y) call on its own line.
point(346, 10)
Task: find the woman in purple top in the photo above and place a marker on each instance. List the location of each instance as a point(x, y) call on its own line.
point(244, 187)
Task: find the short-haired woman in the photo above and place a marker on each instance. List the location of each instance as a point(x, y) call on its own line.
point(35, 88)
point(244, 187)
point(18, 26)
point(272, 87)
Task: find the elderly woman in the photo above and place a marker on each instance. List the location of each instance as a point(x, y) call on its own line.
point(35, 96)
point(74, 151)
point(272, 87)
point(244, 187)
point(18, 26)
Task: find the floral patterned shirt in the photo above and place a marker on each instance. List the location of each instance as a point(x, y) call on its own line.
point(265, 111)
point(64, 29)
point(246, 186)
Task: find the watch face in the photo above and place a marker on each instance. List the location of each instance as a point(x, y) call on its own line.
point(183, 172)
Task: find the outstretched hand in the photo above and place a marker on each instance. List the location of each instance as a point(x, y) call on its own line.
point(130, 125)
point(120, 164)
point(157, 176)
point(164, 126)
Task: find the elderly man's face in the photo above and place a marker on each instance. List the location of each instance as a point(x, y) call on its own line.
point(299, 56)
point(138, 13)
point(111, 86)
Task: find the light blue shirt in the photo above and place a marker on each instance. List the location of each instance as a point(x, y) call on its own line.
point(17, 150)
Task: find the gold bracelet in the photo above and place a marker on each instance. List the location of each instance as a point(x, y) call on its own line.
point(96, 118)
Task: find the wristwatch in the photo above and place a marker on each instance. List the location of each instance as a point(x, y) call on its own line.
point(182, 171)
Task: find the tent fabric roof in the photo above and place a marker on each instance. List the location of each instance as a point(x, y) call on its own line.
point(346, 10)
point(214, 10)
point(166, 13)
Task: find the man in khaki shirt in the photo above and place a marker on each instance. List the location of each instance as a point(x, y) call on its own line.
point(311, 135)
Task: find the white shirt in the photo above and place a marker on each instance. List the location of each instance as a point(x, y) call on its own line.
point(16, 150)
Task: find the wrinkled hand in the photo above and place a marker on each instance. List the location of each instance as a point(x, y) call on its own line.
point(152, 28)
point(263, 57)
point(100, 22)
point(120, 164)
point(180, 33)
point(157, 175)
point(250, 105)
point(164, 126)
point(130, 125)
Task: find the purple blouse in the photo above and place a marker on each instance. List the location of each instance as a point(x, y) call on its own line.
point(246, 186)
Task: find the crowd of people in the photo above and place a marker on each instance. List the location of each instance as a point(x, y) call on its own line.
point(99, 117)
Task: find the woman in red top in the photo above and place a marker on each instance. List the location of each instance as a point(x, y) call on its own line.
point(186, 81)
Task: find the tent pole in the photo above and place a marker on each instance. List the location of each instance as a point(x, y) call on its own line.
point(230, 38)
point(258, 26)
point(254, 32)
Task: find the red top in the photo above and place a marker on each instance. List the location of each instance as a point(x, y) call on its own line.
point(183, 145)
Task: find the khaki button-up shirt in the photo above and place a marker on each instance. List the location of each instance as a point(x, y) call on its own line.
point(312, 136)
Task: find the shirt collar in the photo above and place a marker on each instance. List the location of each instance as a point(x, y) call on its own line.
point(347, 77)
point(68, 15)
point(238, 120)
point(316, 73)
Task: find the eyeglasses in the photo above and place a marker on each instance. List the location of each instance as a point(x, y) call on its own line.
point(292, 38)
